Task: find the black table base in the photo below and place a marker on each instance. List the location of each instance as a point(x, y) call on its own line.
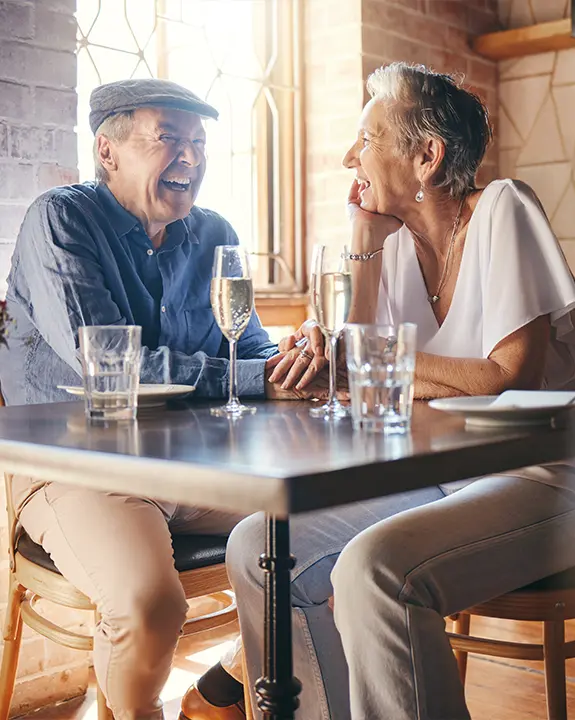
point(277, 692)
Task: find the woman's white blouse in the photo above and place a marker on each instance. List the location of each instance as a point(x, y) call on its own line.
point(512, 271)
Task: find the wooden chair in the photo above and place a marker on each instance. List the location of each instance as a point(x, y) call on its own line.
point(550, 601)
point(199, 559)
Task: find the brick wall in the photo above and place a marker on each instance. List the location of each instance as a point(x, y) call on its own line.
point(37, 108)
point(333, 101)
point(37, 151)
point(345, 41)
point(436, 33)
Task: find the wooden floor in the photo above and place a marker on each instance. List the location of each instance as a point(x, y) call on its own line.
point(496, 689)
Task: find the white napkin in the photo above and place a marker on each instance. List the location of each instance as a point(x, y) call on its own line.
point(534, 398)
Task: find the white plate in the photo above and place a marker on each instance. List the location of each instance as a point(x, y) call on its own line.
point(148, 395)
point(479, 412)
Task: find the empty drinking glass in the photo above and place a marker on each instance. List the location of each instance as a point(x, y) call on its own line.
point(110, 357)
point(380, 368)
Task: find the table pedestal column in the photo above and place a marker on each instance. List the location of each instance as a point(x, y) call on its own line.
point(277, 692)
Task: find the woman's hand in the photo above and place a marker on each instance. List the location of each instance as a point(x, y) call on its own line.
point(301, 357)
point(363, 221)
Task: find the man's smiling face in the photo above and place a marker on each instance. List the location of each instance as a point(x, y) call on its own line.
point(156, 172)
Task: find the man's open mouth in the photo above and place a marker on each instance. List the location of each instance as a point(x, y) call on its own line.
point(363, 184)
point(177, 184)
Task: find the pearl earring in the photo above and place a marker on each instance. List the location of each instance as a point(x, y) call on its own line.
point(420, 194)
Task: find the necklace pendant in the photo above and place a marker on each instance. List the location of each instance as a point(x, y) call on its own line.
point(433, 299)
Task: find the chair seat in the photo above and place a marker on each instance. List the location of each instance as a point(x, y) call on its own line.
point(190, 552)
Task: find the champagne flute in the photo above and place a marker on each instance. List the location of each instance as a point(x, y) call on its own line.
point(232, 298)
point(330, 297)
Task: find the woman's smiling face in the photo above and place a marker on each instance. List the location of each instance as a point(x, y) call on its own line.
point(385, 176)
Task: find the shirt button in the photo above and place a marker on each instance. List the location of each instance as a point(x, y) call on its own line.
point(150, 251)
point(163, 308)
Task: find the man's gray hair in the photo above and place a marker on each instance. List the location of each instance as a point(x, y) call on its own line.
point(116, 128)
point(429, 104)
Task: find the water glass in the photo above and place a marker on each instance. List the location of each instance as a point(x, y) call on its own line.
point(380, 368)
point(110, 357)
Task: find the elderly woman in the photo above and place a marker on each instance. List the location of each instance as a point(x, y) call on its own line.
point(482, 275)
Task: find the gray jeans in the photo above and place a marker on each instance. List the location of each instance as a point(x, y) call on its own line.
point(409, 561)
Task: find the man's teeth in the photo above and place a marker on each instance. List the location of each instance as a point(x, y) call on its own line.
point(178, 183)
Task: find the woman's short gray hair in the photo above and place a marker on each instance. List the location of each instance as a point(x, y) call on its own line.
point(431, 104)
point(116, 128)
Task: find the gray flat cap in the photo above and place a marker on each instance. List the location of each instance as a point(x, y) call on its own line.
point(124, 95)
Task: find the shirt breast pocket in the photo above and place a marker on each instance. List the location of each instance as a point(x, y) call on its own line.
point(202, 332)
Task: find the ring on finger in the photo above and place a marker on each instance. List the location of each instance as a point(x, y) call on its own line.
point(304, 353)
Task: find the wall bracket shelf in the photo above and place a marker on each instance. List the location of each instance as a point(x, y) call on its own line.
point(544, 37)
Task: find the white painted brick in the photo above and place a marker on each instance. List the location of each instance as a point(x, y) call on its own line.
point(16, 20)
point(22, 62)
point(16, 101)
point(53, 29)
point(56, 107)
point(32, 143)
point(64, 6)
point(3, 139)
point(51, 175)
point(17, 181)
point(66, 148)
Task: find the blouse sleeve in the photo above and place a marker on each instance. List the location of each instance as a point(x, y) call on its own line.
point(524, 272)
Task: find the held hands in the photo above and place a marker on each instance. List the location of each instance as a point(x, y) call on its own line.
point(301, 357)
point(318, 389)
point(293, 374)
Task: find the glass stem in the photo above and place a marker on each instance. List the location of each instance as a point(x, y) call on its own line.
point(332, 369)
point(233, 374)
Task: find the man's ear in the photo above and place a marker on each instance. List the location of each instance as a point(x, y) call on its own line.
point(428, 161)
point(106, 153)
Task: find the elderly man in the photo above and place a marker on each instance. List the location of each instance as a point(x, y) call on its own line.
point(131, 248)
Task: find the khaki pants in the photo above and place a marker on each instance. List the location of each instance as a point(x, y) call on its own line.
point(117, 550)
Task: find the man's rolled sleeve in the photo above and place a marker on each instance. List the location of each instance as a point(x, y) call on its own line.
point(251, 377)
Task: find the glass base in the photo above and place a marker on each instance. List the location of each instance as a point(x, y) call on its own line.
point(382, 425)
point(233, 409)
point(110, 415)
point(331, 411)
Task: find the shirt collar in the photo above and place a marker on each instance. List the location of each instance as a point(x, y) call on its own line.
point(123, 221)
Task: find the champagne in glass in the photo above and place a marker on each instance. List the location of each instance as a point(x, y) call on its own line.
point(334, 297)
point(232, 298)
point(330, 297)
point(232, 302)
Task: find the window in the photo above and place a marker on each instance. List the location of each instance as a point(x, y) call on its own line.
point(242, 56)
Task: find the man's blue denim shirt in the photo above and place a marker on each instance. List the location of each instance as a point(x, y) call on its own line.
point(83, 259)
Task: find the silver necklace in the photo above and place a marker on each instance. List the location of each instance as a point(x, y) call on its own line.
point(434, 298)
